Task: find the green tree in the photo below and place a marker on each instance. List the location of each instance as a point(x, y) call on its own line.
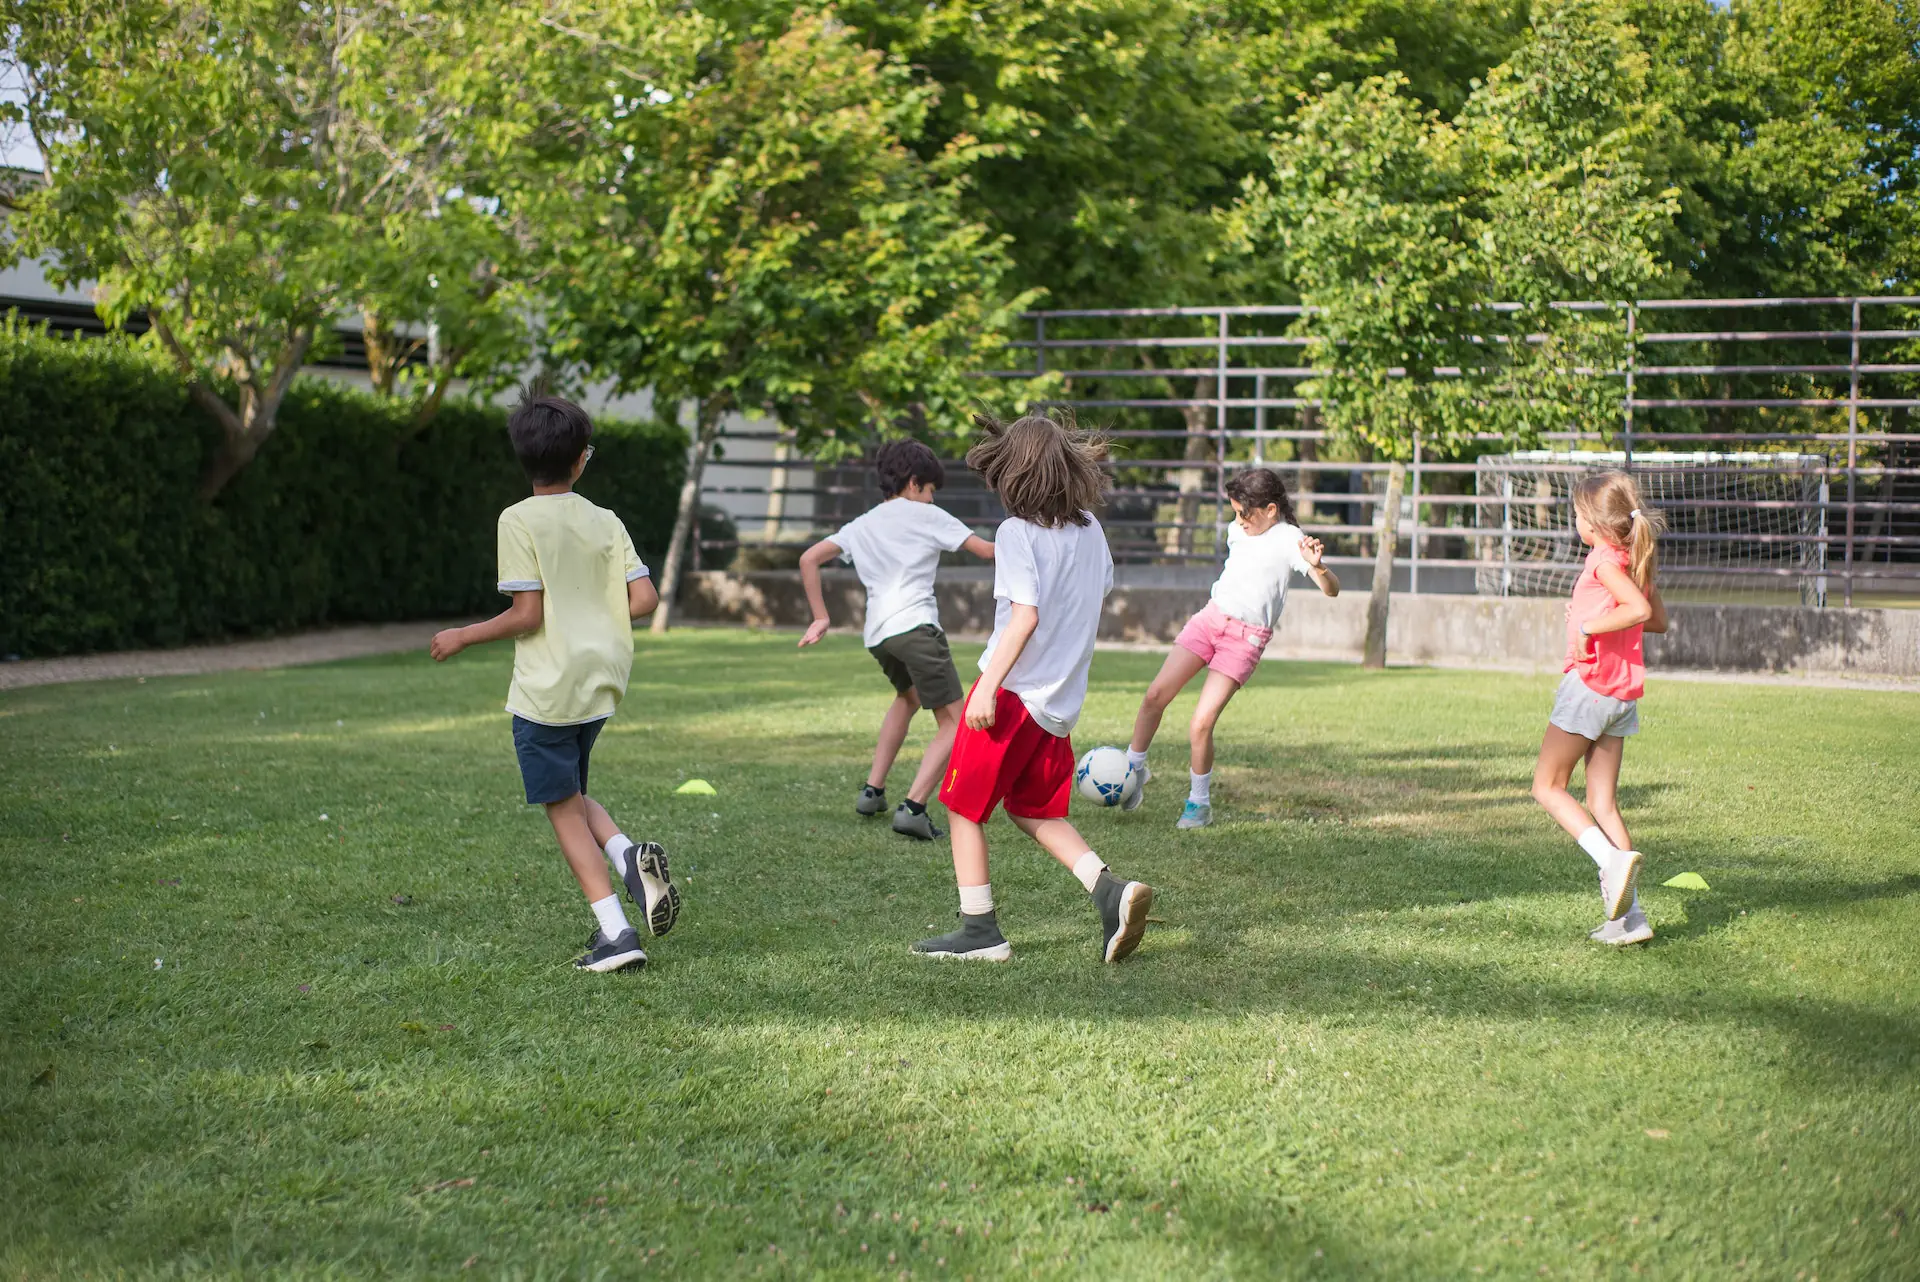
point(751, 232)
point(1433, 253)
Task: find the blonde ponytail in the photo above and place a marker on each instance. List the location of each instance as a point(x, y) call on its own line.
point(1612, 505)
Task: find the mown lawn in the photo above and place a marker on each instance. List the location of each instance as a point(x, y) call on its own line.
point(286, 992)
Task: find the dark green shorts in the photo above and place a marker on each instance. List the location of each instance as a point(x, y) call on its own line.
point(918, 660)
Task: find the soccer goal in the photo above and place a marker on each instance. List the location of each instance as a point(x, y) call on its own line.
point(1740, 527)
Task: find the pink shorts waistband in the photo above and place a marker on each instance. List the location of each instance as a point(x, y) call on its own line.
point(1233, 627)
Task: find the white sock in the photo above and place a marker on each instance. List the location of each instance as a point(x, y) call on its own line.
point(619, 850)
point(1595, 843)
point(613, 922)
point(1201, 793)
point(1088, 869)
point(1138, 760)
point(976, 901)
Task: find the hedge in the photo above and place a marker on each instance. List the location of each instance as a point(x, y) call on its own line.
point(344, 516)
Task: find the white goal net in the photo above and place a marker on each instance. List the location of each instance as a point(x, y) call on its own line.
point(1740, 527)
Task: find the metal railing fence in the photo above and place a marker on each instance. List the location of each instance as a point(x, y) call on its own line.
point(1819, 383)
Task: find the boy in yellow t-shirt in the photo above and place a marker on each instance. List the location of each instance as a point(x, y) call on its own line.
point(577, 585)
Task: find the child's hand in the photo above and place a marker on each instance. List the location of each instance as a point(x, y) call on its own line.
point(815, 630)
point(1311, 550)
point(980, 707)
point(446, 644)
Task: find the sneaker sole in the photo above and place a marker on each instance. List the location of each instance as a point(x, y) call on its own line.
point(1639, 936)
point(619, 961)
point(1623, 893)
point(1184, 826)
point(1000, 952)
point(659, 901)
point(1136, 901)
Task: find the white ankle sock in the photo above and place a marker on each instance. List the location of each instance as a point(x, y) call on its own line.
point(613, 922)
point(1595, 843)
point(619, 849)
point(1088, 869)
point(1138, 760)
point(1201, 791)
point(976, 901)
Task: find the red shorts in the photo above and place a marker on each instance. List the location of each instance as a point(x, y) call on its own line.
point(1015, 761)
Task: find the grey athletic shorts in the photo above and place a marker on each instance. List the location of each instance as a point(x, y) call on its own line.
point(918, 660)
point(1578, 710)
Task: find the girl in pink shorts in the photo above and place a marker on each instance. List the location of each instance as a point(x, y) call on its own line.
point(1264, 546)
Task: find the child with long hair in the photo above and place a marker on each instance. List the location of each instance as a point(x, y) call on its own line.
point(1597, 706)
point(1265, 548)
point(1051, 572)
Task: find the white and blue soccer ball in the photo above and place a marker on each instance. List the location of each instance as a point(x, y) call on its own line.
point(1105, 777)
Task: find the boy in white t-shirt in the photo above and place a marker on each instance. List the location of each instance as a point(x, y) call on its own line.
point(895, 549)
point(1227, 638)
point(1052, 570)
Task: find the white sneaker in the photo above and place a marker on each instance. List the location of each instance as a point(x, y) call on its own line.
point(1630, 929)
point(1617, 878)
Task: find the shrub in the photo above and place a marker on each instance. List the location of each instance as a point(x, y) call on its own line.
point(343, 517)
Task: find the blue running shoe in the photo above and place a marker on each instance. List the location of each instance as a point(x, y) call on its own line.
point(1195, 814)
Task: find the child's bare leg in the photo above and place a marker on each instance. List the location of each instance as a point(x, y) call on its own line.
point(575, 833)
point(600, 822)
point(1056, 836)
point(893, 733)
point(1603, 781)
point(1179, 668)
point(969, 851)
point(1560, 751)
point(1214, 696)
point(946, 721)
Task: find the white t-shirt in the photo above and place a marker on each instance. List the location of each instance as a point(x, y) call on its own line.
point(1064, 574)
point(895, 549)
point(1253, 584)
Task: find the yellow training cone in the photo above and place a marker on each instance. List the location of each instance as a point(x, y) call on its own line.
point(1687, 881)
point(701, 788)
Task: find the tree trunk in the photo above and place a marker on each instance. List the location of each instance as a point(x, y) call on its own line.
point(1199, 446)
point(1304, 481)
point(1384, 541)
point(706, 429)
point(385, 353)
point(245, 429)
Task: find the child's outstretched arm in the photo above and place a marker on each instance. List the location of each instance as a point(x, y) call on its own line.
point(1311, 550)
point(982, 548)
point(642, 597)
point(1021, 621)
point(525, 615)
point(810, 562)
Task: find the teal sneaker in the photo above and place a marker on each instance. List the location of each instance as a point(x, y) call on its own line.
point(1123, 906)
point(978, 939)
point(1140, 793)
point(1195, 814)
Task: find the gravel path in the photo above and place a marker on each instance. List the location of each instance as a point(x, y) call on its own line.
point(320, 646)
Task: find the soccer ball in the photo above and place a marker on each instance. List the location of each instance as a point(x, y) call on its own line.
point(1105, 778)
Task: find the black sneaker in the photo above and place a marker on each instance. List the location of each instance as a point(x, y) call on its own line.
point(978, 939)
point(648, 886)
point(919, 826)
point(870, 802)
point(604, 955)
point(1123, 909)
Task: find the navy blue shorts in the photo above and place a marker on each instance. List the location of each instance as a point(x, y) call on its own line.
point(553, 759)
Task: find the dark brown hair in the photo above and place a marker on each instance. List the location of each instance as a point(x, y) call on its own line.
point(902, 462)
point(1256, 487)
point(1612, 504)
point(549, 434)
point(1045, 470)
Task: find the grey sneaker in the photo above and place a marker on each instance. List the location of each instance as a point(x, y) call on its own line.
point(1195, 814)
point(1617, 878)
point(1630, 929)
point(920, 826)
point(1140, 793)
point(978, 939)
point(651, 888)
point(870, 802)
point(1123, 909)
point(605, 954)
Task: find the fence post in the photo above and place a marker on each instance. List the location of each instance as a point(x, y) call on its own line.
point(1632, 353)
point(1413, 566)
point(1506, 531)
point(1260, 420)
point(1039, 345)
point(1220, 444)
point(1853, 439)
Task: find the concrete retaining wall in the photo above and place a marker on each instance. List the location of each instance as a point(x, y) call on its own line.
point(1468, 631)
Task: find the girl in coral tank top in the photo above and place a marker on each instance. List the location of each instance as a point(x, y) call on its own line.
point(1598, 703)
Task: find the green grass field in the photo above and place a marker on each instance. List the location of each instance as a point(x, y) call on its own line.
point(287, 992)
